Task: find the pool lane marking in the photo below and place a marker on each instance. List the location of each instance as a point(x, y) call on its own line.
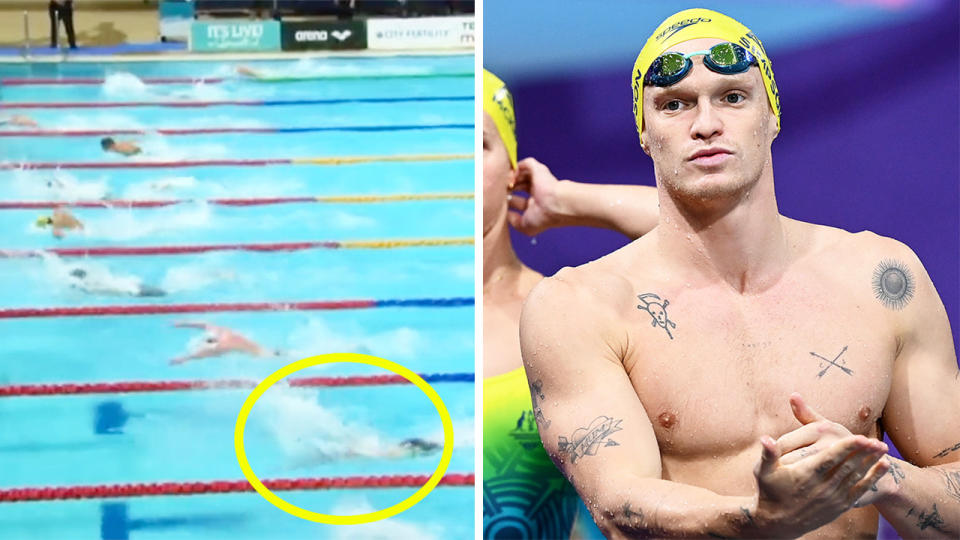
point(128, 387)
point(254, 201)
point(220, 103)
point(112, 251)
point(221, 307)
point(216, 130)
point(345, 160)
point(104, 491)
point(31, 81)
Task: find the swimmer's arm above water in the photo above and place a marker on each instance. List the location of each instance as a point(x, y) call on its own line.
point(598, 433)
point(629, 209)
point(922, 415)
point(194, 324)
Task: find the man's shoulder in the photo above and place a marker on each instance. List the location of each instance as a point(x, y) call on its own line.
point(861, 245)
point(589, 289)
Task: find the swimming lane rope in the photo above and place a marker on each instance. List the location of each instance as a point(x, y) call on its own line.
point(220, 307)
point(110, 251)
point(104, 491)
point(128, 387)
point(215, 130)
point(219, 103)
point(254, 201)
point(343, 160)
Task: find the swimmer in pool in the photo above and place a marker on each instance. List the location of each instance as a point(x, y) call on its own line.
point(103, 282)
point(126, 148)
point(419, 447)
point(18, 120)
point(61, 219)
point(218, 341)
point(249, 72)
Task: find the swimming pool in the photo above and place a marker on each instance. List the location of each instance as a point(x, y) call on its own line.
point(258, 226)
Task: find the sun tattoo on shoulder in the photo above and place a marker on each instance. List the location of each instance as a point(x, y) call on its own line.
point(893, 284)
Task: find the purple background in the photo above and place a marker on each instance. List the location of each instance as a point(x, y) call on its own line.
point(869, 140)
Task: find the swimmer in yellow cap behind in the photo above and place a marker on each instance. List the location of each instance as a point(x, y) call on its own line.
point(731, 373)
point(523, 491)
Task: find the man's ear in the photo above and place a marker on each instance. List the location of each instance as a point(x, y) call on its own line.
point(643, 142)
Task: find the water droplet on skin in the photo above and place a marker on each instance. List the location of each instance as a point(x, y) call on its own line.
point(666, 219)
point(688, 285)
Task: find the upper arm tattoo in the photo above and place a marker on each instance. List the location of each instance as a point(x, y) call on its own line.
point(585, 441)
point(657, 311)
point(538, 397)
point(893, 284)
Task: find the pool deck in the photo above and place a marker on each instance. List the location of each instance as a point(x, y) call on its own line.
point(97, 26)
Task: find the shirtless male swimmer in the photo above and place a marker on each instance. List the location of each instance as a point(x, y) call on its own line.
point(729, 373)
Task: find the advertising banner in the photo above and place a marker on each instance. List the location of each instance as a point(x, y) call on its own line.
point(235, 35)
point(421, 33)
point(323, 35)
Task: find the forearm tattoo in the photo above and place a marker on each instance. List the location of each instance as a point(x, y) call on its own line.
point(893, 284)
point(946, 451)
point(896, 471)
point(538, 397)
point(826, 363)
point(952, 478)
point(651, 303)
point(632, 514)
point(929, 519)
point(586, 441)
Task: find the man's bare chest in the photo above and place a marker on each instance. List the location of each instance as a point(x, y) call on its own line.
point(715, 371)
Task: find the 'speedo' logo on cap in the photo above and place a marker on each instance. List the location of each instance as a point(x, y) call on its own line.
point(678, 26)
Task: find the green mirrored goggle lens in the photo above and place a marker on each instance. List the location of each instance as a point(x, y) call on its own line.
point(671, 64)
point(724, 54)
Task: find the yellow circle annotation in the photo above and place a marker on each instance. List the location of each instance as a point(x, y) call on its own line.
point(355, 358)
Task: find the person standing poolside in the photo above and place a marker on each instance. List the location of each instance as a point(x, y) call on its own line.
point(61, 10)
point(524, 495)
point(730, 373)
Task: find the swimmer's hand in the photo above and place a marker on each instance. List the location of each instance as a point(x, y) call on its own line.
point(543, 208)
point(818, 433)
point(794, 498)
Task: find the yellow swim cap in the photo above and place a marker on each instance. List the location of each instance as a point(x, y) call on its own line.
point(43, 221)
point(498, 103)
point(694, 24)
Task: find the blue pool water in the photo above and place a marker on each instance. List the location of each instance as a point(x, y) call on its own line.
point(188, 436)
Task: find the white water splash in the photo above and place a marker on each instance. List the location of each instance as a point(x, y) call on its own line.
point(128, 225)
point(388, 529)
point(57, 185)
point(316, 337)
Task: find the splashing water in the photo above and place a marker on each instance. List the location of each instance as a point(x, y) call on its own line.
point(194, 277)
point(124, 86)
point(127, 225)
point(57, 185)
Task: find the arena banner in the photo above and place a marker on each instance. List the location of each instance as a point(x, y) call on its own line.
point(235, 35)
point(316, 35)
point(421, 33)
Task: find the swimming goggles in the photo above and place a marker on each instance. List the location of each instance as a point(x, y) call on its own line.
point(727, 58)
